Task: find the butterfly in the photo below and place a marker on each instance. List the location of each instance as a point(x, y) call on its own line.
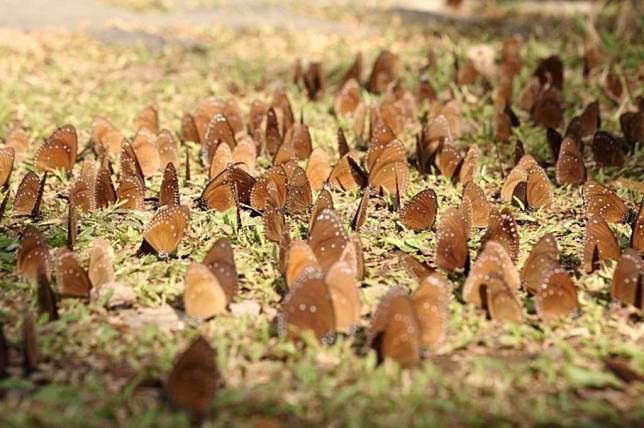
point(324, 200)
point(231, 185)
point(30, 351)
point(295, 145)
point(165, 231)
point(613, 86)
point(18, 139)
point(540, 261)
point(528, 183)
point(131, 193)
point(100, 271)
point(203, 296)
point(608, 150)
point(387, 167)
point(167, 147)
point(104, 193)
point(628, 279)
point(599, 243)
point(272, 134)
point(308, 308)
point(420, 212)
point(556, 296)
point(504, 229)
point(148, 118)
point(637, 235)
point(348, 98)
point(493, 282)
point(431, 303)
point(434, 134)
point(299, 257)
point(395, 332)
point(385, 69)
point(273, 215)
point(81, 195)
point(32, 254)
point(599, 199)
point(189, 131)
point(314, 81)
point(347, 174)
point(327, 238)
point(169, 192)
point(318, 169)
point(280, 103)
point(529, 93)
point(360, 215)
point(218, 132)
point(414, 267)
point(194, 379)
point(146, 151)
point(298, 193)
point(550, 70)
point(71, 278)
point(220, 259)
point(570, 167)
point(479, 203)
point(58, 151)
point(452, 235)
point(588, 122)
point(7, 157)
point(259, 194)
point(45, 296)
point(511, 61)
point(632, 125)
point(72, 226)
point(30, 190)
point(343, 290)
point(354, 71)
point(130, 166)
point(105, 137)
point(425, 90)
point(547, 111)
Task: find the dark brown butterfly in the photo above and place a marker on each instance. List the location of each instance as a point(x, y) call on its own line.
point(387, 167)
point(589, 120)
point(72, 226)
point(385, 70)
point(203, 295)
point(7, 157)
point(281, 103)
point(259, 195)
point(307, 308)
point(218, 132)
point(361, 212)
point(130, 166)
point(296, 144)
point(32, 254)
point(318, 169)
point(570, 168)
point(131, 193)
point(348, 98)
point(548, 111)
point(30, 351)
point(194, 380)
point(189, 130)
point(479, 203)
point(608, 150)
point(492, 283)
point(148, 118)
point(628, 279)
point(395, 332)
point(58, 151)
point(347, 174)
point(528, 183)
point(298, 193)
point(599, 199)
point(420, 212)
point(272, 135)
point(71, 278)
point(529, 94)
point(354, 71)
point(219, 193)
point(637, 236)
point(343, 145)
point(451, 240)
point(169, 192)
point(165, 231)
point(503, 228)
point(46, 298)
point(104, 193)
point(435, 133)
point(81, 195)
point(314, 80)
point(632, 124)
point(504, 121)
point(614, 87)
point(327, 238)
point(324, 201)
point(550, 70)
point(273, 215)
point(599, 243)
point(556, 296)
point(30, 191)
point(541, 260)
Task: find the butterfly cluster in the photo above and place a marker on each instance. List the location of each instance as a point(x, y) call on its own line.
point(265, 164)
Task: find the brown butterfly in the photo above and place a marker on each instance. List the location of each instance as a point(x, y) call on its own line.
point(451, 240)
point(148, 118)
point(273, 215)
point(218, 132)
point(348, 98)
point(194, 380)
point(343, 290)
point(314, 80)
point(599, 243)
point(414, 267)
point(613, 86)
point(30, 190)
point(58, 151)
point(354, 71)
point(72, 226)
point(7, 157)
point(529, 94)
point(167, 147)
point(632, 125)
point(385, 69)
point(100, 271)
point(504, 121)
point(169, 192)
point(281, 104)
point(511, 56)
point(203, 296)
point(327, 238)
point(30, 351)
point(599, 199)
point(608, 150)
point(528, 183)
point(420, 212)
point(300, 256)
point(503, 228)
point(318, 169)
point(361, 212)
point(308, 308)
point(104, 193)
point(395, 331)
point(570, 167)
point(259, 194)
point(81, 195)
point(548, 111)
point(230, 185)
point(18, 139)
point(387, 167)
point(556, 296)
point(589, 120)
point(550, 70)
point(130, 166)
point(325, 200)
point(165, 231)
point(296, 144)
point(220, 260)
point(46, 297)
point(479, 203)
point(4, 354)
point(493, 282)
point(628, 279)
point(105, 137)
point(347, 174)
point(541, 260)
point(637, 235)
point(32, 254)
point(147, 153)
point(272, 135)
point(71, 278)
point(131, 193)
point(431, 302)
point(189, 131)
point(299, 196)
point(435, 133)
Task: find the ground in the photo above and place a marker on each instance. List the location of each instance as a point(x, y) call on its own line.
point(104, 367)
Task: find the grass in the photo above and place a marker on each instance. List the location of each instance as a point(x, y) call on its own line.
point(101, 366)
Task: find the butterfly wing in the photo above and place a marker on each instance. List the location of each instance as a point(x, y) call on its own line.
point(165, 231)
point(71, 278)
point(420, 212)
point(58, 151)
